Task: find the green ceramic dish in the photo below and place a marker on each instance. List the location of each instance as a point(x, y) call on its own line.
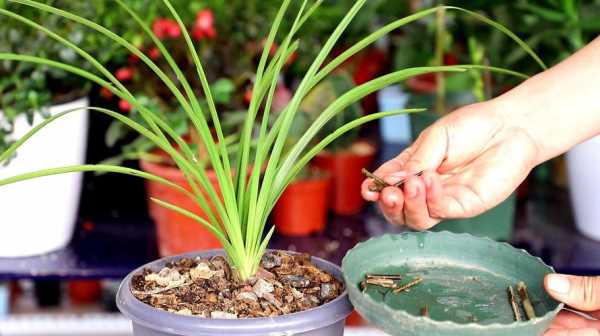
point(464, 287)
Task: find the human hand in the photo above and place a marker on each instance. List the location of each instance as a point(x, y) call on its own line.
point(473, 159)
point(581, 293)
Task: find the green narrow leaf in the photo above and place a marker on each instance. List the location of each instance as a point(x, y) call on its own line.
point(244, 153)
point(503, 29)
point(222, 167)
point(260, 156)
point(289, 113)
point(93, 168)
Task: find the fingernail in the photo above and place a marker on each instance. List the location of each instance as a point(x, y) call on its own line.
point(413, 190)
point(558, 283)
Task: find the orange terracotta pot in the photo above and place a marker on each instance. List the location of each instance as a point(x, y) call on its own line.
point(176, 233)
point(302, 208)
point(84, 291)
point(355, 320)
point(346, 170)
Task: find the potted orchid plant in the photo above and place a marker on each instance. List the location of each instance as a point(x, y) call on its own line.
point(200, 293)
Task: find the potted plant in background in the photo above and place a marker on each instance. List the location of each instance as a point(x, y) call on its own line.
point(308, 193)
point(247, 196)
point(346, 156)
point(29, 93)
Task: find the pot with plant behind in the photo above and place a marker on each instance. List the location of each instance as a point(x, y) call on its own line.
point(177, 233)
point(302, 208)
point(345, 157)
point(346, 168)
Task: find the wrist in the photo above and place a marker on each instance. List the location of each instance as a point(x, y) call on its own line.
point(517, 115)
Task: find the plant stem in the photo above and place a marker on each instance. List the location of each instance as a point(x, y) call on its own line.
point(525, 301)
point(415, 282)
point(513, 303)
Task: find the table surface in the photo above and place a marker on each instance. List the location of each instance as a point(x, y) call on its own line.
point(114, 235)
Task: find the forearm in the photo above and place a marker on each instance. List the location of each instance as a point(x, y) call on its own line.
point(560, 107)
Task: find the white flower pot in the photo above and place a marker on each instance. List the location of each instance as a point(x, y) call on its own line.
point(38, 216)
point(583, 164)
point(394, 129)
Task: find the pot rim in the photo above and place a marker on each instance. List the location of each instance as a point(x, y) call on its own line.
point(172, 171)
point(298, 322)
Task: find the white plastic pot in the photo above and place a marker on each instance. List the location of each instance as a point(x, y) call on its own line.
point(38, 216)
point(583, 164)
point(394, 129)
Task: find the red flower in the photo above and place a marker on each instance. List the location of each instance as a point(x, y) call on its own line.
point(248, 96)
point(154, 53)
point(124, 105)
point(282, 97)
point(106, 93)
point(370, 65)
point(292, 58)
point(133, 58)
point(204, 26)
point(124, 74)
point(272, 50)
point(164, 28)
point(450, 59)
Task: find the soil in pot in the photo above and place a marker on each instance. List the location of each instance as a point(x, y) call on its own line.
point(208, 288)
point(345, 168)
point(309, 196)
point(177, 233)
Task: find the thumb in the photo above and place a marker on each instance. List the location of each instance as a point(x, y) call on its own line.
point(429, 150)
point(581, 293)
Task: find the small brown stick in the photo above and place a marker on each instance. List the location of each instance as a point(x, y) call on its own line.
point(425, 311)
point(384, 276)
point(380, 184)
point(387, 283)
point(363, 286)
point(160, 290)
point(527, 306)
point(400, 289)
point(513, 303)
point(401, 182)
